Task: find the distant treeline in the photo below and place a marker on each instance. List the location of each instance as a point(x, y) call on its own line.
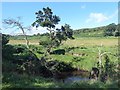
point(109, 30)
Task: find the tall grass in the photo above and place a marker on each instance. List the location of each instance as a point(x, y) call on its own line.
point(86, 41)
point(13, 80)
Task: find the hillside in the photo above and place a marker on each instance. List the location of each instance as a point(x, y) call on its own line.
point(108, 30)
point(24, 68)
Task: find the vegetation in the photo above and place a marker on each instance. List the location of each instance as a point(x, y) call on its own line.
point(66, 56)
point(17, 23)
point(109, 30)
point(25, 81)
point(46, 19)
point(79, 56)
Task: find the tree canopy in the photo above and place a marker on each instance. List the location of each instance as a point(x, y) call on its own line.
point(45, 18)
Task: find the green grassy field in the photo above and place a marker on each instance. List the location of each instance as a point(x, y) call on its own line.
point(84, 45)
point(92, 42)
point(91, 45)
point(86, 41)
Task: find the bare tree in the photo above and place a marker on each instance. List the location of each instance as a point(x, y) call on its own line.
point(100, 54)
point(16, 23)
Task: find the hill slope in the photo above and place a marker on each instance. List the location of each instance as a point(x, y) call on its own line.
point(102, 31)
point(108, 30)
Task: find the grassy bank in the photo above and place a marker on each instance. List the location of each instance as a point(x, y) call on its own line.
point(13, 80)
point(81, 53)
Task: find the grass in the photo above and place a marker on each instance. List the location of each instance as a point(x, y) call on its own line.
point(92, 42)
point(91, 56)
point(32, 42)
point(13, 80)
point(85, 41)
point(109, 44)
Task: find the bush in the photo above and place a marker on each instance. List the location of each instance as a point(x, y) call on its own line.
point(37, 49)
point(107, 33)
point(34, 68)
point(59, 52)
point(59, 66)
point(20, 48)
point(109, 70)
point(24, 61)
point(117, 33)
point(8, 66)
point(5, 39)
point(7, 52)
point(45, 42)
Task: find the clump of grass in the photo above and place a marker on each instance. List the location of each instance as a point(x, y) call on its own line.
point(14, 80)
point(92, 84)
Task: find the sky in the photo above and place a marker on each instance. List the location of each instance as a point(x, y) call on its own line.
point(77, 14)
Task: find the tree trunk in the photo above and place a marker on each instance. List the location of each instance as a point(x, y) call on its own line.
point(27, 42)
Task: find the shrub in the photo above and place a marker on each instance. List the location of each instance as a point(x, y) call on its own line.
point(45, 42)
point(5, 39)
point(59, 66)
point(20, 48)
point(109, 69)
point(37, 49)
point(8, 66)
point(59, 52)
point(7, 52)
point(117, 33)
point(34, 68)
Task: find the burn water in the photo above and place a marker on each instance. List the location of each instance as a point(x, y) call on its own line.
point(74, 76)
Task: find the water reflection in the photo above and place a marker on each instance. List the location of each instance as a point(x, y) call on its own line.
point(74, 76)
point(75, 79)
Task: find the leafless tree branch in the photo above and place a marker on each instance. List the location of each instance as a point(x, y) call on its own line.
point(16, 23)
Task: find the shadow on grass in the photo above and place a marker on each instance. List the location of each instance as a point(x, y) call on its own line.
point(13, 80)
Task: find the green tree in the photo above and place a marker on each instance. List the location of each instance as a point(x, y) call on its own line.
point(45, 18)
point(117, 31)
point(64, 33)
point(110, 29)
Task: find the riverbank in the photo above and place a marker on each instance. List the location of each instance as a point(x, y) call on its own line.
point(26, 81)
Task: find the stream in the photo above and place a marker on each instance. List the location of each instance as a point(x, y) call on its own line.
point(74, 76)
point(75, 79)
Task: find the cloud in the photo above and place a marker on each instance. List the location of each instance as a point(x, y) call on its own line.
point(100, 17)
point(33, 30)
point(40, 30)
point(97, 17)
point(114, 14)
point(83, 6)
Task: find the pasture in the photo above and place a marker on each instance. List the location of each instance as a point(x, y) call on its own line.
point(85, 41)
point(84, 45)
point(81, 53)
point(47, 53)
